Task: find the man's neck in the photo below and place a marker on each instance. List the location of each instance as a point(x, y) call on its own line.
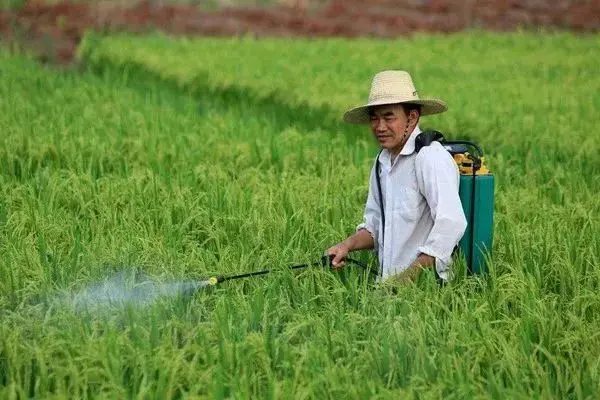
point(396, 151)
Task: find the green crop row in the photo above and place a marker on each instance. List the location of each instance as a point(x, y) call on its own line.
point(503, 89)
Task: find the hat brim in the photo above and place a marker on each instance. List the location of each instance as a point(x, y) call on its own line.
point(360, 115)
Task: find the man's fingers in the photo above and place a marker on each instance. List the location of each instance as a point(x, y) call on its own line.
point(338, 261)
point(338, 252)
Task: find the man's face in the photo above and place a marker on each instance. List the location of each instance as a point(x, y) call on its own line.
point(389, 125)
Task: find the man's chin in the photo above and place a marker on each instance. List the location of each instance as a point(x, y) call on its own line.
point(387, 144)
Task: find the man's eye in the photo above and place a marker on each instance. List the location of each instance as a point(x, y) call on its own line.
point(390, 119)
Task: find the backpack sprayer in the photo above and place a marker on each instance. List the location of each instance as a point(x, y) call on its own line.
point(476, 192)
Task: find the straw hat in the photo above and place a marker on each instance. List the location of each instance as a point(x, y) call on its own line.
point(393, 87)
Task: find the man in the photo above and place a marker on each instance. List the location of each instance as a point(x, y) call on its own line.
point(423, 215)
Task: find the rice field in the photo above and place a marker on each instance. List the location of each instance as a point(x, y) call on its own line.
point(171, 160)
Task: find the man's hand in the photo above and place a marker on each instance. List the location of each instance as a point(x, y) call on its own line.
point(424, 261)
point(411, 274)
point(340, 251)
point(358, 241)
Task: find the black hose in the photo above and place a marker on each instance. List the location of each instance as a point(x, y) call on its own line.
point(475, 167)
point(382, 212)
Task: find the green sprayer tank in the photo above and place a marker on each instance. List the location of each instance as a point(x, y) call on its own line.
point(476, 192)
point(477, 198)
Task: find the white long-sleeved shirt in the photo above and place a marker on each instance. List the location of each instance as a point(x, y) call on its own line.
point(423, 212)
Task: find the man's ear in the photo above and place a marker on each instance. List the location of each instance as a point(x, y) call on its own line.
point(413, 117)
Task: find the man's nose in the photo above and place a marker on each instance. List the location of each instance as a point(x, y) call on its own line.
point(380, 127)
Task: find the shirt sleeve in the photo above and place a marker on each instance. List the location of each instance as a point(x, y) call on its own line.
point(438, 180)
point(372, 214)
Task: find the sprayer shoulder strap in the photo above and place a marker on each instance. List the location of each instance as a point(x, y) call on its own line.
point(378, 180)
point(425, 138)
point(381, 209)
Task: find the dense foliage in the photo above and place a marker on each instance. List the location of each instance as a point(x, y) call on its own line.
point(186, 158)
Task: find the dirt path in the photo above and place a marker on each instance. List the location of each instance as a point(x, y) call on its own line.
point(53, 31)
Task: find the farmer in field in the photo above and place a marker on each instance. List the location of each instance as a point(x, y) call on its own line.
point(422, 219)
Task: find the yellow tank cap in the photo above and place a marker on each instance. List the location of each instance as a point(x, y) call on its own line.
point(465, 165)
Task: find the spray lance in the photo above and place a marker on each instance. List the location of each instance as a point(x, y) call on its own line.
point(324, 262)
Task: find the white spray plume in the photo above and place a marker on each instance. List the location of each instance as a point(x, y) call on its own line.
point(126, 288)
